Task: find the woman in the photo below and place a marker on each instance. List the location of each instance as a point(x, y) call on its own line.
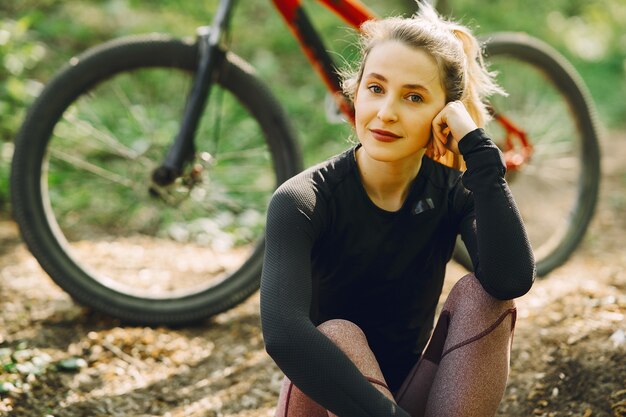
point(357, 246)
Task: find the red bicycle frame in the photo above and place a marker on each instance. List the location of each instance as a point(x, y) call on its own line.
point(355, 13)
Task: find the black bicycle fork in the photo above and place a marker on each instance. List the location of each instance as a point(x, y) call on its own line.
point(209, 56)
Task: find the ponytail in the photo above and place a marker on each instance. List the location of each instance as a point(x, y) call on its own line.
point(478, 81)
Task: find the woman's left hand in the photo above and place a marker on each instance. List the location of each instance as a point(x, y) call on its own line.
point(450, 126)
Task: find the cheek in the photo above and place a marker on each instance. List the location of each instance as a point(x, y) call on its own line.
point(427, 121)
point(421, 127)
point(424, 125)
point(362, 113)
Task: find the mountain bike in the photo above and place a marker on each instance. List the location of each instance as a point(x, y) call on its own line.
point(141, 173)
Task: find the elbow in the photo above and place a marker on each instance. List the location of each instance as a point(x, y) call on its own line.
point(521, 286)
point(513, 285)
point(525, 278)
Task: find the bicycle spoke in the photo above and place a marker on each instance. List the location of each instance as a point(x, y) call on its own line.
point(91, 132)
point(94, 169)
point(240, 154)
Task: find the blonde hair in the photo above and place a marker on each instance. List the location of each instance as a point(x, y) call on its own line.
point(458, 54)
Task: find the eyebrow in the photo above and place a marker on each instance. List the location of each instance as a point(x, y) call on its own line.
point(407, 86)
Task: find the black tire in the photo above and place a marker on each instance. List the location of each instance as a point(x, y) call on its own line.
point(557, 190)
point(86, 207)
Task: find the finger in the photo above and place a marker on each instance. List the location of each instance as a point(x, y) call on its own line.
point(440, 147)
point(443, 140)
point(441, 131)
point(449, 138)
point(436, 139)
point(446, 134)
point(443, 150)
point(436, 125)
point(430, 146)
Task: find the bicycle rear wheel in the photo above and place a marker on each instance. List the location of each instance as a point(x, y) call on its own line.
point(557, 188)
point(85, 202)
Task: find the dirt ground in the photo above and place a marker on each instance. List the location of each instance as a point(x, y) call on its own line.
point(60, 359)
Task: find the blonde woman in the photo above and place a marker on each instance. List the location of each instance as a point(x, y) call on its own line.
point(357, 246)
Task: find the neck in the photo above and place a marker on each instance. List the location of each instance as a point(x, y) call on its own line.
point(387, 183)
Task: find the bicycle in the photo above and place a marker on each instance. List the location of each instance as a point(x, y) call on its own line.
point(89, 177)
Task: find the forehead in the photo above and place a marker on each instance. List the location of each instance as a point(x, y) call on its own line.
point(403, 64)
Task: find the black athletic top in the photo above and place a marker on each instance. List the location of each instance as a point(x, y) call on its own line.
point(331, 253)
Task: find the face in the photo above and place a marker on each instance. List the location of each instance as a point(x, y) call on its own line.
point(397, 98)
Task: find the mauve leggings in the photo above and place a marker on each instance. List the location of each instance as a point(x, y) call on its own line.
point(462, 372)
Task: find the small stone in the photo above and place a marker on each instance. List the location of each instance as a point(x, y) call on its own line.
point(6, 387)
point(71, 364)
point(618, 338)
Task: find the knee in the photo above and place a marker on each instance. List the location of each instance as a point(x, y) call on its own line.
point(342, 331)
point(468, 292)
point(474, 311)
point(351, 340)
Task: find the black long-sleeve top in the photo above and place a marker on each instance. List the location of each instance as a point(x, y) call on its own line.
point(332, 253)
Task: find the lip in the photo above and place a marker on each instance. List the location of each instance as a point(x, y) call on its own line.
point(384, 135)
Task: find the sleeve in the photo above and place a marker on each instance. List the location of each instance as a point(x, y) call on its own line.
point(492, 227)
point(310, 360)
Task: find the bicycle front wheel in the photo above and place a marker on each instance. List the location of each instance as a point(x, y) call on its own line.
point(85, 202)
point(556, 189)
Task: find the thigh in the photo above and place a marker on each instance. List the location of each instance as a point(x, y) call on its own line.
point(352, 341)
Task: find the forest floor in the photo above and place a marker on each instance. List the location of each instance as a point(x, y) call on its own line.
point(60, 359)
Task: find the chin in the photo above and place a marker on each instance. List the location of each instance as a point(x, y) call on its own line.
point(384, 156)
point(390, 153)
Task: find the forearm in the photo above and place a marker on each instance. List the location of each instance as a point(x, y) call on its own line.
point(506, 266)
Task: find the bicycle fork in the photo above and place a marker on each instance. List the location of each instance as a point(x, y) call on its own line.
point(210, 55)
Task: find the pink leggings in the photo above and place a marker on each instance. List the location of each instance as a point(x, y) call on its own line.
point(462, 372)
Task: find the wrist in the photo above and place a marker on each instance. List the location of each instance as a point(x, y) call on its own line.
point(464, 130)
point(472, 140)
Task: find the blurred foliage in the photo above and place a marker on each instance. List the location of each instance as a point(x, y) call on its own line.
point(18, 55)
point(589, 33)
point(38, 36)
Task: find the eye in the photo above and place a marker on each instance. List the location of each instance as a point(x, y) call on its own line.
point(415, 98)
point(375, 88)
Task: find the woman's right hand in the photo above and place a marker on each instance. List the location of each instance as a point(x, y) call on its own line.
point(449, 126)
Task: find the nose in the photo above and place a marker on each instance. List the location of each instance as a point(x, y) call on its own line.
point(387, 111)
